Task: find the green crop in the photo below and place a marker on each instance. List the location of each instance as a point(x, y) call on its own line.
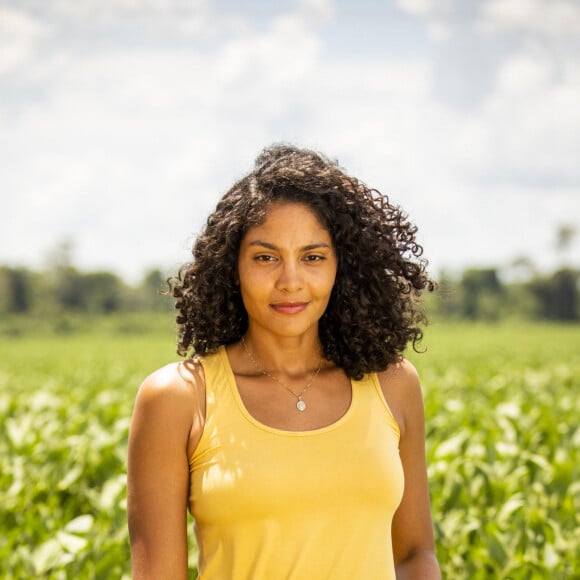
point(503, 440)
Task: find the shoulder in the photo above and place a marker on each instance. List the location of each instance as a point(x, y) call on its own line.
point(401, 387)
point(170, 407)
point(177, 389)
point(175, 380)
point(402, 373)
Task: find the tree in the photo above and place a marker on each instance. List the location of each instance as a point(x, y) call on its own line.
point(15, 290)
point(481, 292)
point(565, 295)
point(102, 292)
point(565, 235)
point(558, 295)
point(68, 288)
point(152, 288)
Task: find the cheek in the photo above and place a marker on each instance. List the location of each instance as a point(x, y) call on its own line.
point(253, 291)
point(251, 280)
point(331, 277)
point(244, 278)
point(324, 288)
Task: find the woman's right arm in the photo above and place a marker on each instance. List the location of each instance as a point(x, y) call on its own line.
point(166, 418)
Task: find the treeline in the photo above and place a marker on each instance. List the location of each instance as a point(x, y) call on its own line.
point(475, 294)
point(70, 290)
point(484, 294)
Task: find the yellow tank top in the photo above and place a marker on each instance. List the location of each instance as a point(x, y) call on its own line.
point(285, 505)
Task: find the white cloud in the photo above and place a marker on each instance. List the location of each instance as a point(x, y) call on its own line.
point(533, 108)
point(282, 57)
point(318, 9)
point(125, 147)
point(439, 15)
point(88, 12)
point(555, 18)
point(428, 8)
point(523, 121)
point(20, 36)
point(123, 136)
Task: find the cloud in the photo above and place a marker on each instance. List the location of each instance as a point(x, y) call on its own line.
point(91, 13)
point(521, 108)
point(20, 36)
point(124, 143)
point(123, 135)
point(279, 58)
point(536, 100)
point(553, 18)
point(318, 9)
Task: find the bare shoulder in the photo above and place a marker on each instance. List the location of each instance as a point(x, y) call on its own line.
point(177, 388)
point(170, 406)
point(402, 378)
point(401, 387)
point(178, 379)
point(401, 371)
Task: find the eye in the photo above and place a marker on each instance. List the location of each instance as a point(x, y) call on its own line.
point(264, 258)
point(314, 258)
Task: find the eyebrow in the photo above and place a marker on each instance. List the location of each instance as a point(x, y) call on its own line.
point(306, 248)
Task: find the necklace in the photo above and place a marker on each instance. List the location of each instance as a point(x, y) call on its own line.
point(300, 404)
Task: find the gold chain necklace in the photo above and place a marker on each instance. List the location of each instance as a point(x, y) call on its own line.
point(300, 404)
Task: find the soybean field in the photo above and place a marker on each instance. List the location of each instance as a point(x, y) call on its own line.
point(503, 449)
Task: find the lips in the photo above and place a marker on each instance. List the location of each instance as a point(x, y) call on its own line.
point(289, 307)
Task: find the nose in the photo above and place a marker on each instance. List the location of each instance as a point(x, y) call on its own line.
point(290, 279)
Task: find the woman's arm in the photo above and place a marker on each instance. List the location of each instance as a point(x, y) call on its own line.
point(164, 422)
point(412, 532)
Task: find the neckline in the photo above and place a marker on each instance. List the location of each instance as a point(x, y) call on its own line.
point(249, 417)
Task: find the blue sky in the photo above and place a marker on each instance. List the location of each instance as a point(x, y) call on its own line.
point(123, 121)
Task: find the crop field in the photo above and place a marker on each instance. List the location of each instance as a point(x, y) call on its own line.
point(503, 447)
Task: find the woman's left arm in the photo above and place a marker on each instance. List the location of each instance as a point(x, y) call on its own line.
point(412, 531)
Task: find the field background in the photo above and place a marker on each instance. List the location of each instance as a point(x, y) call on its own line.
point(503, 440)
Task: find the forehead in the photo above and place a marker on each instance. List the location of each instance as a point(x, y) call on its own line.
point(289, 220)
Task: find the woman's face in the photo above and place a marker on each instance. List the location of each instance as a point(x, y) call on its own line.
point(286, 269)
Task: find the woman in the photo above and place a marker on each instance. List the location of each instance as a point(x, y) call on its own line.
point(295, 434)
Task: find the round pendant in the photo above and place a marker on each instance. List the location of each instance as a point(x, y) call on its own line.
point(300, 405)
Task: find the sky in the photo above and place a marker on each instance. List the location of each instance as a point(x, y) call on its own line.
point(122, 122)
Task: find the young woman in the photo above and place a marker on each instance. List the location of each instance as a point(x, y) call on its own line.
point(294, 430)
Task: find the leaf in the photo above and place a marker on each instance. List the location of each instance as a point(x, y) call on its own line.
point(17, 430)
point(49, 555)
point(112, 489)
point(511, 410)
point(451, 446)
point(71, 542)
point(551, 558)
point(509, 508)
point(71, 477)
point(506, 449)
point(496, 548)
point(80, 525)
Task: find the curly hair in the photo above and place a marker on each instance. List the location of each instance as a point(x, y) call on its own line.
point(373, 312)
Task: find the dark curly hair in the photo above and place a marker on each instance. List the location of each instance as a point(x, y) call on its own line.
point(373, 311)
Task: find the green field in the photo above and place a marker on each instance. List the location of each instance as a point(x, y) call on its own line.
point(503, 447)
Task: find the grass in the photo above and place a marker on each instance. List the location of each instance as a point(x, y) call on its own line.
point(503, 441)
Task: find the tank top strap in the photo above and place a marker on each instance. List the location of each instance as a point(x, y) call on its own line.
point(219, 400)
point(216, 376)
point(370, 396)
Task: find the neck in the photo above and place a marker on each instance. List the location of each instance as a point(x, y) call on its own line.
point(291, 356)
